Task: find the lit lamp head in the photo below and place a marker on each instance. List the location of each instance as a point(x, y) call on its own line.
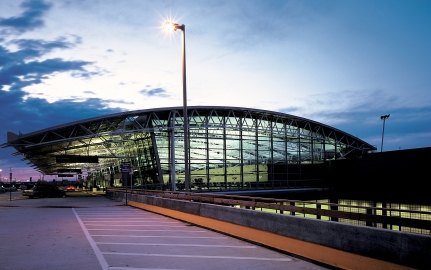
point(169, 26)
point(383, 117)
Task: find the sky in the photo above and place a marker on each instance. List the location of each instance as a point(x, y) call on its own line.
point(341, 63)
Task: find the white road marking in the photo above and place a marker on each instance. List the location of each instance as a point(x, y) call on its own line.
point(93, 222)
point(135, 225)
point(176, 245)
point(93, 244)
point(199, 256)
point(117, 218)
point(155, 230)
point(152, 223)
point(135, 268)
point(158, 236)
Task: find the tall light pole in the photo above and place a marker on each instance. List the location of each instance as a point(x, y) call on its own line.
point(171, 26)
point(383, 117)
point(10, 184)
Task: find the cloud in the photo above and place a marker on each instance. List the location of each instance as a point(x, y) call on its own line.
point(21, 115)
point(27, 115)
point(39, 47)
point(245, 26)
point(155, 92)
point(24, 62)
point(358, 113)
point(325, 106)
point(29, 19)
point(22, 67)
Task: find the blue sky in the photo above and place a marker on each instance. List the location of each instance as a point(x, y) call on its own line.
point(342, 63)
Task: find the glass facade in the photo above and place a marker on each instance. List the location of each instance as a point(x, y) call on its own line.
point(229, 152)
point(229, 149)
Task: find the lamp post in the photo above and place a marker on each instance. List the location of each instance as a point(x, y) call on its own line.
point(172, 27)
point(10, 184)
point(383, 117)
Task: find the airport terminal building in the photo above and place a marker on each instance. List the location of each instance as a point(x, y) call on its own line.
point(230, 148)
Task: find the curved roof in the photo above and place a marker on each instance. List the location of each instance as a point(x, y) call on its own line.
point(79, 137)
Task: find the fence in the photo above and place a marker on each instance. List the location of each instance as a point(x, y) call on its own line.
point(366, 213)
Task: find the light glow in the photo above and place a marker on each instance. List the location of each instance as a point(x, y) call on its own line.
point(169, 26)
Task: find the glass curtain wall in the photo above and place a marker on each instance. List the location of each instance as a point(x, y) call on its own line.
point(228, 152)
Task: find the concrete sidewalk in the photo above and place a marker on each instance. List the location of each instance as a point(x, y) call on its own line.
point(89, 231)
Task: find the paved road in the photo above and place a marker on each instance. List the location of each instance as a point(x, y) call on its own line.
point(92, 232)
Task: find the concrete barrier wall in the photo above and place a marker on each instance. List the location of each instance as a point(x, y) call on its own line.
point(400, 248)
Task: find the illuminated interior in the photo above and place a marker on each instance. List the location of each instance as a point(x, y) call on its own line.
point(230, 149)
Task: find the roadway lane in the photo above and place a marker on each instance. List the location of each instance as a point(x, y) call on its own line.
point(97, 233)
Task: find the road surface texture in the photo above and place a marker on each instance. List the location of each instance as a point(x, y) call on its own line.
point(90, 232)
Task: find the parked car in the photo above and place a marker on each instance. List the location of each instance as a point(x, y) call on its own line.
point(10, 188)
point(70, 188)
point(44, 190)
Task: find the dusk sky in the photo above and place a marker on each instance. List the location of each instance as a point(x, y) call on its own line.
point(341, 63)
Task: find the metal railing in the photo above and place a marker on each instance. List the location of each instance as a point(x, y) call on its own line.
point(405, 220)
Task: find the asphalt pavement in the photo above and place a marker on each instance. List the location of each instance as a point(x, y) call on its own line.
point(88, 231)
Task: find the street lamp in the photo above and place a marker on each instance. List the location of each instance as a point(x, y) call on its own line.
point(170, 26)
point(383, 117)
